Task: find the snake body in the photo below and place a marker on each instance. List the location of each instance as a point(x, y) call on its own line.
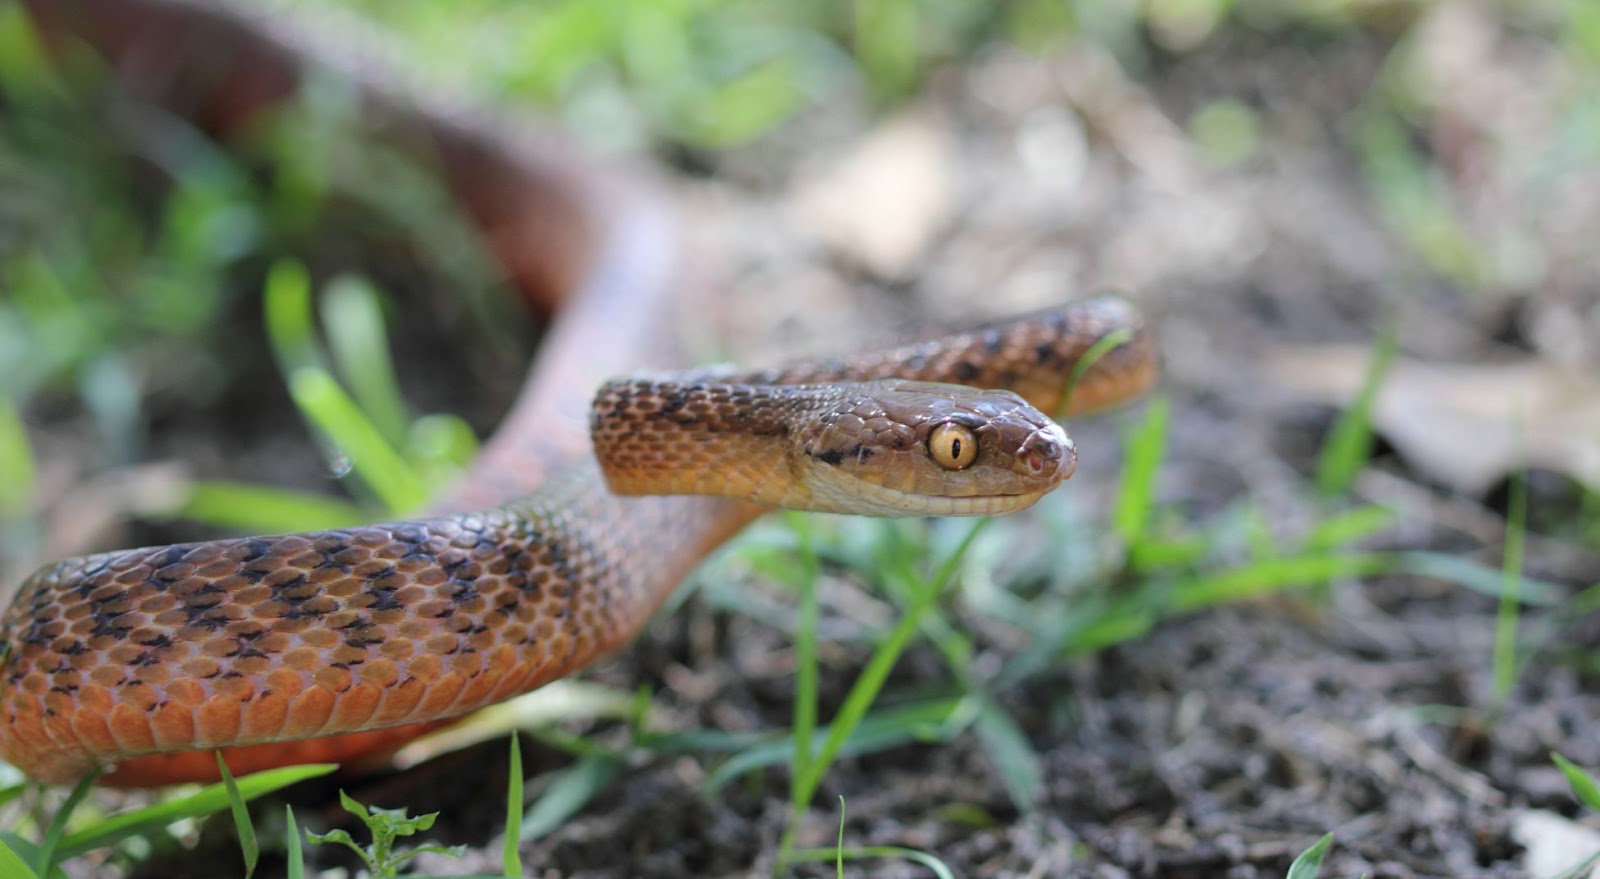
point(337, 645)
point(355, 640)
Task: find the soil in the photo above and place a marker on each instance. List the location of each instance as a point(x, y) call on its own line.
point(1221, 743)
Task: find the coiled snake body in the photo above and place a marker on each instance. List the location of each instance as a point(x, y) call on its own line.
point(333, 645)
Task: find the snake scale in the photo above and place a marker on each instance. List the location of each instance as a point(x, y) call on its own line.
point(338, 645)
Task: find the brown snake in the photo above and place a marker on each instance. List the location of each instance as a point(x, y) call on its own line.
point(332, 645)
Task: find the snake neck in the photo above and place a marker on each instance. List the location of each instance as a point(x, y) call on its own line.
point(700, 438)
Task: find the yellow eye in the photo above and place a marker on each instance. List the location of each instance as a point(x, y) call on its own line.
point(954, 447)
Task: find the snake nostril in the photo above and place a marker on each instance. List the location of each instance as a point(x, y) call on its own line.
point(1044, 454)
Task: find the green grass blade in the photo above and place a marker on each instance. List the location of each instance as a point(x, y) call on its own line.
point(930, 720)
point(13, 864)
point(371, 458)
point(1349, 444)
point(1505, 633)
point(206, 801)
point(1583, 785)
point(287, 313)
point(1469, 574)
point(939, 868)
point(1143, 453)
point(292, 853)
point(1090, 357)
point(510, 854)
point(1013, 757)
point(805, 649)
point(870, 682)
point(1349, 527)
point(1309, 864)
point(838, 861)
point(352, 316)
point(572, 789)
point(46, 858)
point(242, 827)
point(1273, 575)
point(17, 474)
point(263, 510)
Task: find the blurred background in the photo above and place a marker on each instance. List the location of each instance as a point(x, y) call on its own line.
point(1365, 230)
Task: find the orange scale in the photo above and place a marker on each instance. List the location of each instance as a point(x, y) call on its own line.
point(466, 663)
point(217, 567)
point(477, 692)
point(441, 645)
point(186, 693)
point(301, 658)
point(264, 716)
point(320, 638)
point(316, 577)
point(95, 698)
point(239, 689)
point(93, 732)
point(253, 594)
point(141, 697)
point(155, 673)
point(355, 707)
point(172, 726)
point(380, 673)
point(399, 702)
point(159, 604)
point(219, 648)
point(252, 665)
point(305, 561)
point(433, 609)
point(348, 654)
point(270, 610)
point(287, 682)
point(130, 726)
point(200, 668)
point(331, 679)
point(105, 676)
point(57, 702)
point(442, 696)
point(415, 628)
point(397, 648)
point(428, 668)
point(291, 626)
point(343, 588)
point(308, 713)
point(217, 722)
point(125, 653)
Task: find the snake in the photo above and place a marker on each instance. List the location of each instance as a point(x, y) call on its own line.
point(592, 502)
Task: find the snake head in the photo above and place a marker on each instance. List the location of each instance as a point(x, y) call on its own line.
point(903, 448)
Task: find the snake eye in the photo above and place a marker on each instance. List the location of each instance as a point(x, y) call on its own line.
point(954, 447)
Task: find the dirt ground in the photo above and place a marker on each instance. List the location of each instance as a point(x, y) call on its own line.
point(1222, 743)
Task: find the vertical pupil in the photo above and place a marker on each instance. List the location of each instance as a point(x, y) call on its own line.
point(955, 448)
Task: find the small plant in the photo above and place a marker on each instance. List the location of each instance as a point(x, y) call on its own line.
point(1309, 864)
point(382, 858)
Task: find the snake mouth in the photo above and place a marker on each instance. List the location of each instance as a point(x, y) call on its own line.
point(870, 499)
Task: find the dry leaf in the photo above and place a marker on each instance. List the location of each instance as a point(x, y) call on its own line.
point(1553, 843)
point(1466, 425)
